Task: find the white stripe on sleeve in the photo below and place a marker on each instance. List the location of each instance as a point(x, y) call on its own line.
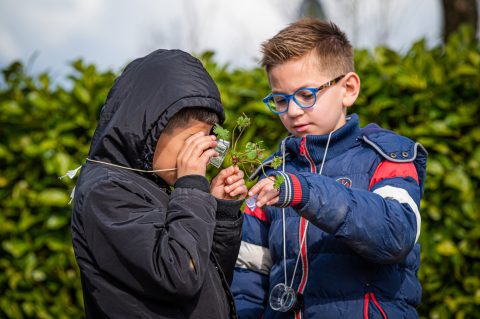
point(254, 257)
point(403, 197)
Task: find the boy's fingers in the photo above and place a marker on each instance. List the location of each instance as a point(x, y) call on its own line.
point(189, 141)
point(239, 191)
point(235, 177)
point(196, 148)
point(202, 144)
point(266, 194)
point(186, 148)
point(257, 187)
point(225, 173)
point(273, 201)
point(229, 171)
point(240, 173)
point(206, 156)
point(267, 199)
point(194, 136)
point(232, 187)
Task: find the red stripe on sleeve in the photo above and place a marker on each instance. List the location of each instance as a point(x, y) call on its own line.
point(257, 213)
point(388, 169)
point(296, 189)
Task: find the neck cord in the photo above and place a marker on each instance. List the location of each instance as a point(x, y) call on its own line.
point(306, 225)
point(283, 221)
point(71, 173)
point(132, 169)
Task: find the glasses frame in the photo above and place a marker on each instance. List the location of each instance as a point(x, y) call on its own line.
point(289, 97)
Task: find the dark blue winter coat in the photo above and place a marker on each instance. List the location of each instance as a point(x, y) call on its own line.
point(360, 257)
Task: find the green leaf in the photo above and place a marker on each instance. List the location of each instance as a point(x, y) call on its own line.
point(16, 247)
point(252, 154)
point(53, 197)
point(221, 133)
point(447, 248)
point(243, 121)
point(56, 222)
point(276, 162)
point(279, 179)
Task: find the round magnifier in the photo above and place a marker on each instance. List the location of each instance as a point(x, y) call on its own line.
point(282, 298)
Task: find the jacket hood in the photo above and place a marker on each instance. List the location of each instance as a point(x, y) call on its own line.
point(143, 99)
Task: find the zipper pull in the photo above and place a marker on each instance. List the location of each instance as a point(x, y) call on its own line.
point(302, 146)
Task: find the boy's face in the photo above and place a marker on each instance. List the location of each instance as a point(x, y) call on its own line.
point(329, 111)
point(170, 144)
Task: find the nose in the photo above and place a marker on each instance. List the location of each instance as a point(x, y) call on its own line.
point(293, 109)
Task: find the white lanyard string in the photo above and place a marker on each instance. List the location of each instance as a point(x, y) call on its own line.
point(306, 225)
point(132, 169)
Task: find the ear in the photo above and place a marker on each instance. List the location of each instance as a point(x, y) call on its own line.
point(352, 88)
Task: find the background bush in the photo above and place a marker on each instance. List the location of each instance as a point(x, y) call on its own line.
point(430, 95)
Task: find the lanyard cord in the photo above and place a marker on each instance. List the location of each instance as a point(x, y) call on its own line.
point(71, 173)
point(283, 222)
point(307, 223)
point(131, 169)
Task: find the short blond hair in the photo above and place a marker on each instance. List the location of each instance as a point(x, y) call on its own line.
point(325, 40)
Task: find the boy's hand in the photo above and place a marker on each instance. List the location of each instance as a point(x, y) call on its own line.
point(267, 194)
point(229, 184)
point(193, 157)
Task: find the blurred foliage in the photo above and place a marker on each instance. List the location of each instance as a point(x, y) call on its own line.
point(430, 95)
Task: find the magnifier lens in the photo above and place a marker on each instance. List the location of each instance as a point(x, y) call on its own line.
point(282, 298)
point(222, 150)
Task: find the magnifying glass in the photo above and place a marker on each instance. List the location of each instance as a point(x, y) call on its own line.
point(222, 150)
point(285, 299)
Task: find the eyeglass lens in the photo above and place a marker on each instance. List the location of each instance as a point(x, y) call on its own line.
point(303, 98)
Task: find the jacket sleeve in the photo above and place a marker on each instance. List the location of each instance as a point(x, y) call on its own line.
point(227, 235)
point(251, 277)
point(381, 224)
point(158, 252)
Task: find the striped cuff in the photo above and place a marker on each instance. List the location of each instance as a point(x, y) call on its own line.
point(293, 191)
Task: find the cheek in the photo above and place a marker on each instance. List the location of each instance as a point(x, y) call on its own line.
point(285, 121)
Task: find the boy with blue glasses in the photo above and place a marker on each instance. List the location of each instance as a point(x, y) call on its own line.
point(338, 239)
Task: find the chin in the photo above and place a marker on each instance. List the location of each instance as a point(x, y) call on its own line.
point(296, 133)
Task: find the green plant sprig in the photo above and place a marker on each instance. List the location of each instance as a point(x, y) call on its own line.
point(252, 154)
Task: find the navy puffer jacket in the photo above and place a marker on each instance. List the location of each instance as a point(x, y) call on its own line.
point(361, 218)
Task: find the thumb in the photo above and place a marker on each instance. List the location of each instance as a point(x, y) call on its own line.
point(231, 170)
point(226, 172)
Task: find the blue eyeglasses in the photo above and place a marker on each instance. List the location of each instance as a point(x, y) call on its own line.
point(305, 97)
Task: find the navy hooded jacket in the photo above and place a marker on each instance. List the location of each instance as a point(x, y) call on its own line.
point(144, 251)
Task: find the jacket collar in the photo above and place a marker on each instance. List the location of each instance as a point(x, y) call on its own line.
point(341, 140)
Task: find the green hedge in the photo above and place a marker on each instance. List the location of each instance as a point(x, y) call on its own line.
point(431, 95)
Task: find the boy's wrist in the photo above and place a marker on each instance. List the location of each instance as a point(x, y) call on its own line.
point(228, 209)
point(293, 191)
point(193, 181)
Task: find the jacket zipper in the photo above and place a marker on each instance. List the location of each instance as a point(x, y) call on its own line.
point(303, 226)
point(304, 152)
point(366, 303)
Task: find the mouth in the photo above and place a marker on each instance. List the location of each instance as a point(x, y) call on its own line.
point(300, 127)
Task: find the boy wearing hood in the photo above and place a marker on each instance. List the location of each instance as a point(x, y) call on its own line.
point(144, 250)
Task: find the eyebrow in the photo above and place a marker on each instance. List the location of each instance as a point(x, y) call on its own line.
point(300, 87)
